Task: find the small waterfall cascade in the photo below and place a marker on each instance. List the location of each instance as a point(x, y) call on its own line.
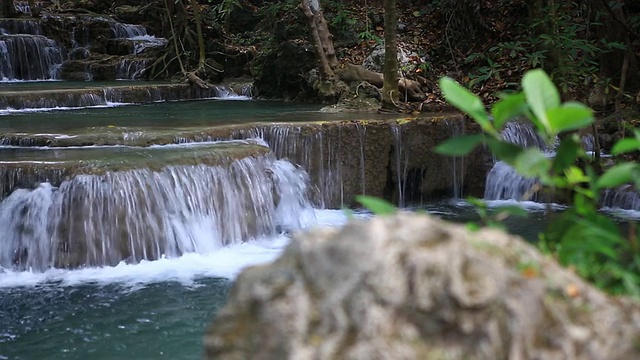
point(362, 133)
point(457, 163)
point(133, 67)
point(401, 159)
point(24, 8)
point(625, 197)
point(313, 151)
point(104, 96)
point(141, 214)
point(127, 31)
point(20, 26)
point(522, 134)
point(503, 182)
point(27, 55)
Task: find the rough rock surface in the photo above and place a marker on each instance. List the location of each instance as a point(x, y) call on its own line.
point(412, 287)
point(375, 155)
point(375, 60)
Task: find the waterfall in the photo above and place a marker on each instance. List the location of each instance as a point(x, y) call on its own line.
point(320, 155)
point(131, 69)
point(457, 163)
point(20, 26)
point(127, 31)
point(142, 43)
point(24, 8)
point(624, 197)
point(362, 133)
point(522, 134)
point(401, 157)
point(503, 182)
point(29, 57)
point(75, 99)
point(135, 215)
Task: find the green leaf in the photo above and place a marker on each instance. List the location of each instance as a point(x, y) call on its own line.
point(376, 205)
point(575, 175)
point(503, 150)
point(513, 210)
point(464, 100)
point(459, 145)
point(541, 95)
point(617, 175)
point(626, 146)
point(570, 116)
point(532, 163)
point(567, 153)
point(509, 107)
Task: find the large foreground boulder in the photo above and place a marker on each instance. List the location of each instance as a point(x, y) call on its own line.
point(412, 287)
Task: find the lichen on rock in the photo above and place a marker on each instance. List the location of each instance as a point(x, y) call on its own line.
point(413, 287)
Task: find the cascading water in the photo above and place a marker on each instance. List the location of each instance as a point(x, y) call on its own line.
point(131, 69)
point(362, 132)
point(127, 31)
point(457, 163)
point(522, 134)
point(94, 220)
point(401, 161)
point(625, 197)
point(503, 182)
point(29, 57)
point(20, 26)
point(318, 154)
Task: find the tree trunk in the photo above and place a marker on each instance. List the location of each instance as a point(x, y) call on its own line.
point(201, 48)
point(322, 39)
point(390, 71)
point(619, 65)
point(7, 8)
point(35, 11)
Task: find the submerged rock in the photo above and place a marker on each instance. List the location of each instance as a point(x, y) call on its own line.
point(412, 287)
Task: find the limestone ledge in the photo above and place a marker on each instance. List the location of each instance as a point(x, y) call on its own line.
point(28, 168)
point(388, 157)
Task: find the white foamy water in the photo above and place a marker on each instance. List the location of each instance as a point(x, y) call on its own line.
point(527, 205)
point(626, 214)
point(8, 111)
point(225, 262)
point(233, 97)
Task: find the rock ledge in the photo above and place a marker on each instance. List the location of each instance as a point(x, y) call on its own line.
point(413, 287)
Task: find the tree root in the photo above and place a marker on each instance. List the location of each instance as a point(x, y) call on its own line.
point(408, 88)
point(197, 81)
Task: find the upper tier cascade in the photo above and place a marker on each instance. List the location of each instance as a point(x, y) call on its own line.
point(81, 48)
point(101, 206)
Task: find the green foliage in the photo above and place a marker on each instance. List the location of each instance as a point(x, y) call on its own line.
point(581, 236)
point(376, 205)
point(561, 42)
point(368, 35)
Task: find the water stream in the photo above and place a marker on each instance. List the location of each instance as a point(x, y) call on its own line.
point(132, 254)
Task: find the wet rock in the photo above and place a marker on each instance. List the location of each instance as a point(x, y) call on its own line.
point(277, 71)
point(375, 60)
point(26, 169)
point(379, 156)
point(412, 287)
